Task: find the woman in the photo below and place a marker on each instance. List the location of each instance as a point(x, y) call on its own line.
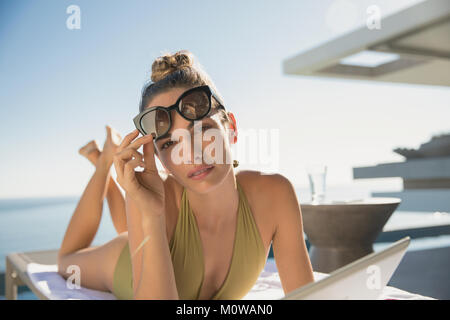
point(200, 232)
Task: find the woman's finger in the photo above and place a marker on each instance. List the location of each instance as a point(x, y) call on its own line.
point(128, 154)
point(136, 144)
point(121, 158)
point(128, 138)
point(128, 173)
point(149, 156)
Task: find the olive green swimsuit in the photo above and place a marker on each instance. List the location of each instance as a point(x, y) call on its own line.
point(248, 260)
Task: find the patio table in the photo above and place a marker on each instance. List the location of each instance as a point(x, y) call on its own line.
point(343, 231)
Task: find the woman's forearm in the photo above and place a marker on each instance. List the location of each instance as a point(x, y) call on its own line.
point(86, 218)
point(155, 278)
point(116, 203)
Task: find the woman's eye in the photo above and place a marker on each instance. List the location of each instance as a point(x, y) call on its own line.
point(166, 144)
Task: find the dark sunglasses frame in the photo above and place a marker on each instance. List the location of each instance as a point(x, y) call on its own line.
point(210, 93)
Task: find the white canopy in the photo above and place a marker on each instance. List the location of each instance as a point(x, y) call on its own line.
point(412, 46)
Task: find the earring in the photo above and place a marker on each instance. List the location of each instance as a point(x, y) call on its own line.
point(235, 163)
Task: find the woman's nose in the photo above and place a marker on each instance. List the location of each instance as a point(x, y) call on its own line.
point(196, 152)
point(196, 156)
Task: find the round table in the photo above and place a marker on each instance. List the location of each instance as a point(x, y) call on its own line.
point(344, 231)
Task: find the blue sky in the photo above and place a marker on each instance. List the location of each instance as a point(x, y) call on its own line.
point(60, 87)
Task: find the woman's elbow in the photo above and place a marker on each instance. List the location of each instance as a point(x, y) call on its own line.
point(61, 267)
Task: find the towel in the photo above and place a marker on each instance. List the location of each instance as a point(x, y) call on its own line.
point(46, 278)
point(268, 286)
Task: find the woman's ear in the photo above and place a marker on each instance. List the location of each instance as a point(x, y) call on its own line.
point(233, 128)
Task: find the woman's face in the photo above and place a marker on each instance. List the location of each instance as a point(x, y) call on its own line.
point(176, 149)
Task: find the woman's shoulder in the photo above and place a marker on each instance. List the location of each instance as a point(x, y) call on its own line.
point(262, 181)
point(265, 190)
point(267, 194)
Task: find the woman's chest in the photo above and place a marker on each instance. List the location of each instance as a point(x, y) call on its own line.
point(229, 248)
point(218, 247)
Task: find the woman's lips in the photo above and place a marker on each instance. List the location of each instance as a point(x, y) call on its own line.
point(200, 173)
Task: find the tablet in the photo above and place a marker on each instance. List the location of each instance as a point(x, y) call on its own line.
point(363, 279)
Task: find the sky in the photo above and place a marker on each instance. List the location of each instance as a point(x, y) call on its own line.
point(59, 87)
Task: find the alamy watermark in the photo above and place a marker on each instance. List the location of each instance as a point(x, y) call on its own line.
point(74, 280)
point(74, 20)
point(374, 279)
point(374, 19)
point(256, 147)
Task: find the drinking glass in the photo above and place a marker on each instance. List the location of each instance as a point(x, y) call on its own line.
point(317, 173)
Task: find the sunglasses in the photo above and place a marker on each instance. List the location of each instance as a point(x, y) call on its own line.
point(193, 104)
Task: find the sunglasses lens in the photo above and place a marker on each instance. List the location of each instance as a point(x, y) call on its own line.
point(195, 105)
point(156, 121)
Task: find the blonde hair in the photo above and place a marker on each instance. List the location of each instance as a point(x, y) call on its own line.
point(178, 70)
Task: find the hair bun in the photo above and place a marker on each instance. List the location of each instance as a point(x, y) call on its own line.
point(168, 63)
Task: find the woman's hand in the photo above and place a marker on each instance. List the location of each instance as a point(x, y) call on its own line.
point(146, 188)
